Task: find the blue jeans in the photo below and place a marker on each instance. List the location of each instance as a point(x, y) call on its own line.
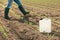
point(11, 1)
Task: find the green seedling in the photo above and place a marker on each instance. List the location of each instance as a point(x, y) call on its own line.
point(51, 35)
point(30, 23)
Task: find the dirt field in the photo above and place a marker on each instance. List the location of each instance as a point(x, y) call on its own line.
point(18, 29)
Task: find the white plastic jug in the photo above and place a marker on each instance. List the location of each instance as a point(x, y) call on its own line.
point(45, 25)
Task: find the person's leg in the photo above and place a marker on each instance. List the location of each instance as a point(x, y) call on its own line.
point(21, 7)
point(7, 9)
point(9, 3)
point(18, 2)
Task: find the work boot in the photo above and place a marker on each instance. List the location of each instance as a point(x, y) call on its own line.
point(6, 13)
point(23, 10)
point(26, 14)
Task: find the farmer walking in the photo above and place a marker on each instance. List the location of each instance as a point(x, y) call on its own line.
point(19, 6)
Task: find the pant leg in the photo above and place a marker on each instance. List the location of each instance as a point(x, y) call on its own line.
point(18, 2)
point(21, 8)
point(9, 3)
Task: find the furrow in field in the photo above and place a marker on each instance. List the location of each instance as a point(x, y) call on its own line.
point(9, 32)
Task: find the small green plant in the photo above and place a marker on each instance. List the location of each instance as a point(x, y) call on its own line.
point(30, 23)
point(52, 36)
